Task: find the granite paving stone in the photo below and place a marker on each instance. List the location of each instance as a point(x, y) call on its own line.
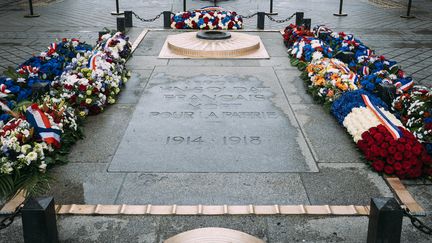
point(85, 183)
point(335, 185)
point(103, 134)
point(327, 139)
point(212, 189)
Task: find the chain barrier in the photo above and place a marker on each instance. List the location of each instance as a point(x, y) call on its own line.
point(418, 224)
point(6, 222)
point(148, 20)
point(248, 16)
point(280, 20)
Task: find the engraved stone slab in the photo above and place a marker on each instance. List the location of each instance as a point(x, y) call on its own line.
point(213, 120)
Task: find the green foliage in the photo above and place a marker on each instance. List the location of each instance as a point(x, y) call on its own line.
point(32, 182)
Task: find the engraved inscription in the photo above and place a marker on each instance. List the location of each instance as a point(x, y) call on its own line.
point(225, 140)
point(214, 100)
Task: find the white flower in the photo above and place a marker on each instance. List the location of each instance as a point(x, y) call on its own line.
point(42, 167)
point(317, 55)
point(32, 156)
point(25, 148)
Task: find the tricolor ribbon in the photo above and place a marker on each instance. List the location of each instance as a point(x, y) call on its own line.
point(42, 125)
point(365, 70)
point(392, 128)
point(404, 87)
point(340, 65)
point(3, 91)
point(52, 48)
point(93, 60)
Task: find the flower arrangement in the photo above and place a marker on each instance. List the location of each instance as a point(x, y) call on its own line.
point(415, 111)
point(207, 19)
point(293, 33)
point(371, 68)
point(386, 144)
point(40, 129)
point(350, 85)
point(329, 78)
point(21, 84)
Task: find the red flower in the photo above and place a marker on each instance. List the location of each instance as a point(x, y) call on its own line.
point(390, 160)
point(388, 170)
point(393, 142)
point(82, 87)
point(378, 165)
point(400, 147)
point(417, 149)
point(397, 166)
point(385, 145)
point(375, 150)
point(392, 149)
point(383, 153)
point(398, 156)
point(206, 20)
point(408, 154)
point(379, 138)
point(179, 25)
point(408, 147)
point(382, 129)
point(362, 145)
point(230, 25)
point(406, 165)
point(388, 138)
point(373, 131)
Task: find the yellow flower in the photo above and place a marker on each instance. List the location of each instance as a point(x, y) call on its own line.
point(117, 90)
point(111, 100)
point(89, 92)
point(82, 113)
point(88, 101)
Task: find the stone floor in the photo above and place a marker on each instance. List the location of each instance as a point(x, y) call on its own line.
point(342, 177)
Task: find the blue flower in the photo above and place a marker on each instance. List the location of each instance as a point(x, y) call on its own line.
point(351, 99)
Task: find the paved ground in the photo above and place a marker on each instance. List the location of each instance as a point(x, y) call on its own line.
point(340, 180)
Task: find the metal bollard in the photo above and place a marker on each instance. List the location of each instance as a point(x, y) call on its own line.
point(167, 19)
point(408, 16)
point(31, 15)
point(128, 19)
point(340, 14)
point(39, 220)
point(260, 20)
point(184, 5)
point(117, 12)
point(299, 18)
point(385, 220)
point(307, 23)
point(121, 24)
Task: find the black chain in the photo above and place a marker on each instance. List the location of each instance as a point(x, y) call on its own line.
point(6, 222)
point(418, 224)
point(148, 20)
point(249, 16)
point(280, 20)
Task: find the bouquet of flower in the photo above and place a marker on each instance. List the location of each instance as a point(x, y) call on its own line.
point(293, 33)
point(41, 133)
point(329, 78)
point(386, 144)
point(372, 69)
point(304, 48)
point(207, 20)
point(415, 111)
